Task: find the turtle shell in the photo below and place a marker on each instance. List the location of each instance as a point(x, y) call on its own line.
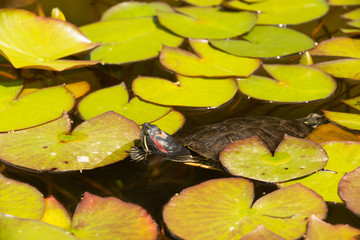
point(209, 140)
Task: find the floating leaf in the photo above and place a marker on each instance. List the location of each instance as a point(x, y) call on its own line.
point(116, 98)
point(344, 2)
point(348, 120)
point(189, 92)
point(275, 12)
point(222, 207)
point(207, 23)
point(353, 15)
point(204, 3)
point(330, 132)
point(171, 122)
point(349, 190)
point(343, 68)
point(262, 233)
point(110, 218)
point(338, 46)
point(291, 83)
point(293, 158)
point(353, 102)
point(19, 199)
point(55, 214)
point(26, 39)
point(266, 41)
point(52, 147)
point(207, 61)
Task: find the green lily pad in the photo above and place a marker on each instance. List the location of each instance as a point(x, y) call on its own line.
point(348, 120)
point(110, 218)
point(290, 83)
point(275, 12)
point(265, 42)
point(320, 230)
point(189, 92)
point(55, 214)
point(32, 109)
point(56, 148)
point(222, 208)
point(293, 158)
point(343, 158)
point(171, 122)
point(344, 2)
point(338, 46)
point(350, 31)
point(20, 200)
point(116, 98)
point(353, 102)
point(262, 233)
point(349, 190)
point(343, 68)
point(207, 61)
point(207, 23)
point(26, 37)
point(204, 3)
point(13, 228)
point(353, 15)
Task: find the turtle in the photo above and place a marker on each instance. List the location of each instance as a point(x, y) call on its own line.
point(201, 145)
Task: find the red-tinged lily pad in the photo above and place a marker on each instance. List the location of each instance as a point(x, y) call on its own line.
point(116, 98)
point(289, 83)
point(262, 233)
point(343, 68)
point(110, 218)
point(222, 208)
point(265, 42)
point(188, 92)
point(207, 61)
point(204, 3)
point(55, 214)
point(344, 157)
point(32, 109)
point(275, 12)
point(293, 158)
point(38, 42)
point(20, 200)
point(207, 23)
point(338, 46)
point(100, 141)
point(348, 120)
point(320, 230)
point(331, 132)
point(13, 228)
point(349, 190)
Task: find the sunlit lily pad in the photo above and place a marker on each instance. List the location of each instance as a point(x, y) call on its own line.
point(290, 83)
point(353, 15)
point(189, 92)
point(53, 147)
point(224, 210)
point(349, 190)
point(320, 230)
point(55, 214)
point(20, 200)
point(110, 218)
point(116, 98)
point(348, 120)
point(32, 109)
point(207, 23)
point(293, 158)
point(266, 41)
point(353, 102)
point(344, 157)
point(338, 46)
point(207, 61)
point(204, 2)
point(38, 42)
point(344, 2)
point(171, 122)
point(343, 68)
point(262, 233)
point(284, 11)
point(331, 132)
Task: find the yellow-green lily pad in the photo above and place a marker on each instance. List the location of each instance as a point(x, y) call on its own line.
point(275, 12)
point(265, 42)
point(207, 62)
point(342, 68)
point(353, 102)
point(55, 214)
point(262, 233)
point(54, 147)
point(344, 2)
point(204, 3)
point(38, 42)
point(224, 209)
point(207, 23)
point(348, 120)
point(339, 47)
point(293, 158)
point(290, 83)
point(353, 15)
point(349, 190)
point(188, 92)
point(171, 122)
point(116, 98)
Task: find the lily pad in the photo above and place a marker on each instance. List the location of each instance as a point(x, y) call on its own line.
point(353, 15)
point(55, 214)
point(343, 68)
point(353, 102)
point(56, 148)
point(20, 199)
point(204, 3)
point(331, 132)
point(221, 209)
point(189, 92)
point(207, 23)
point(32, 109)
point(266, 42)
point(290, 83)
point(344, 2)
point(119, 220)
point(348, 120)
point(26, 37)
point(349, 190)
point(293, 158)
point(320, 230)
point(262, 233)
point(207, 61)
point(338, 46)
point(343, 158)
point(171, 122)
point(116, 98)
point(274, 12)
